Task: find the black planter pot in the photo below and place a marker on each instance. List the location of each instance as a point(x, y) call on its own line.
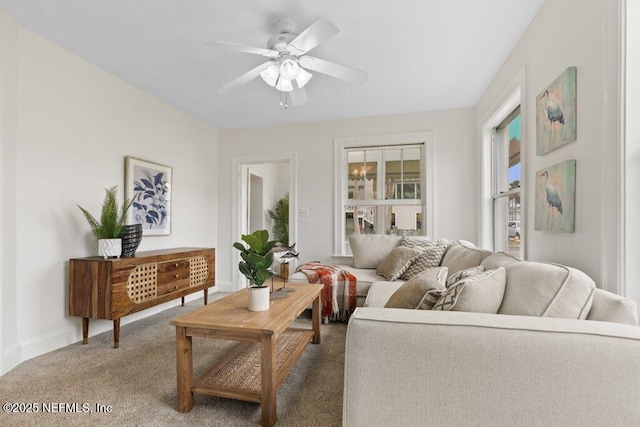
point(131, 237)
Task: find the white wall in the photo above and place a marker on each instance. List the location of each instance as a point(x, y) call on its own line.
point(313, 145)
point(8, 110)
point(69, 127)
point(632, 184)
point(583, 33)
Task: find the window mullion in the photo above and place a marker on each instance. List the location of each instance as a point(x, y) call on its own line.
point(380, 172)
point(494, 161)
point(402, 174)
point(507, 193)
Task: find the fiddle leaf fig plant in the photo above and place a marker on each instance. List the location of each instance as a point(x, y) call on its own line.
point(257, 257)
point(112, 217)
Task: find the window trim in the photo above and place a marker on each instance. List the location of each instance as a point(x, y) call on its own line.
point(426, 139)
point(513, 95)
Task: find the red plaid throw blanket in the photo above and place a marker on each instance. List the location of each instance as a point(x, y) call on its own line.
point(339, 291)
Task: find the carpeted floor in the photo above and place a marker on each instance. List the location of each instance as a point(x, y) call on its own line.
point(138, 381)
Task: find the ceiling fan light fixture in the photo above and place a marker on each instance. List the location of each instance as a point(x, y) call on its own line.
point(284, 85)
point(303, 77)
point(270, 75)
point(289, 69)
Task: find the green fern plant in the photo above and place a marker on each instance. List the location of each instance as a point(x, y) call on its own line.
point(280, 217)
point(112, 217)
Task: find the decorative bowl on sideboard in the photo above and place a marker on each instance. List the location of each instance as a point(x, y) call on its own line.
point(131, 237)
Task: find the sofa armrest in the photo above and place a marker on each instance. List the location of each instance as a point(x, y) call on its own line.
point(417, 367)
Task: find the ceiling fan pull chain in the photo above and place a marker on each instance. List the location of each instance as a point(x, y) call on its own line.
point(284, 100)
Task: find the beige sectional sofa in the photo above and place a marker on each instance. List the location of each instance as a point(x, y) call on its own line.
point(422, 367)
point(558, 352)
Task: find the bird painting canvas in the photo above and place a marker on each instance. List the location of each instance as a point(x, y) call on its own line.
point(556, 113)
point(556, 198)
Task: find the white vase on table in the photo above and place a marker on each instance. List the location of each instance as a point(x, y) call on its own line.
point(259, 298)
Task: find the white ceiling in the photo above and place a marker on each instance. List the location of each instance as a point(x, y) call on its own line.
point(421, 55)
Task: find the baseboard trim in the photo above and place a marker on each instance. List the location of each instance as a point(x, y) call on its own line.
point(225, 286)
point(11, 357)
point(39, 345)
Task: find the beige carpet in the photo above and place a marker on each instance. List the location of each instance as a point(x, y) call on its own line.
point(138, 381)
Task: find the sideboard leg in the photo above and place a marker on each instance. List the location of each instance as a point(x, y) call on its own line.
point(206, 296)
point(183, 301)
point(116, 333)
point(85, 330)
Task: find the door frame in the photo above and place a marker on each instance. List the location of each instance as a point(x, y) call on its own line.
point(251, 174)
point(236, 210)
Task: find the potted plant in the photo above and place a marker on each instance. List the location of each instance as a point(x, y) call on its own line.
point(257, 259)
point(280, 217)
point(111, 223)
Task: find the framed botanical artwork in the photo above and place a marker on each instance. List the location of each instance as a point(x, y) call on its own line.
point(556, 198)
point(556, 113)
point(149, 185)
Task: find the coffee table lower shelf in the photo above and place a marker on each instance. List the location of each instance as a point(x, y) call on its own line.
point(237, 375)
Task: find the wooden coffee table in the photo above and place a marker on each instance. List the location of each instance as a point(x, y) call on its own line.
point(254, 370)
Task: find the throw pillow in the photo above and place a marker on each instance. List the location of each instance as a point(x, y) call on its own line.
point(481, 293)
point(430, 257)
point(422, 291)
point(472, 271)
point(462, 255)
point(397, 262)
point(370, 249)
point(416, 242)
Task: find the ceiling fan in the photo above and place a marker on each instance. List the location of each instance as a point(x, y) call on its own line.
point(288, 61)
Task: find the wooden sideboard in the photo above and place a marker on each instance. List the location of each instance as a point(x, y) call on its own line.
point(112, 288)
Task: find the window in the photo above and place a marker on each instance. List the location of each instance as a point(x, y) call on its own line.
point(381, 191)
point(507, 191)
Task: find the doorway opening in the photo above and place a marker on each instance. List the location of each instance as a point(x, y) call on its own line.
point(261, 184)
point(255, 202)
point(264, 185)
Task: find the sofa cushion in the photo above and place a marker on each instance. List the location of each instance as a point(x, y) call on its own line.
point(369, 250)
point(413, 293)
point(498, 259)
point(380, 292)
point(397, 262)
point(461, 255)
point(609, 307)
point(472, 271)
point(480, 293)
point(545, 290)
point(430, 256)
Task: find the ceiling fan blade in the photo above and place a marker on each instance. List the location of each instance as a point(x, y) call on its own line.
point(334, 70)
point(312, 36)
point(245, 78)
point(247, 49)
point(298, 96)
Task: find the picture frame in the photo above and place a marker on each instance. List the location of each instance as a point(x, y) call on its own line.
point(556, 113)
point(555, 198)
point(148, 184)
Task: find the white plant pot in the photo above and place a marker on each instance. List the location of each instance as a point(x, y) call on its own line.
point(109, 247)
point(259, 299)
